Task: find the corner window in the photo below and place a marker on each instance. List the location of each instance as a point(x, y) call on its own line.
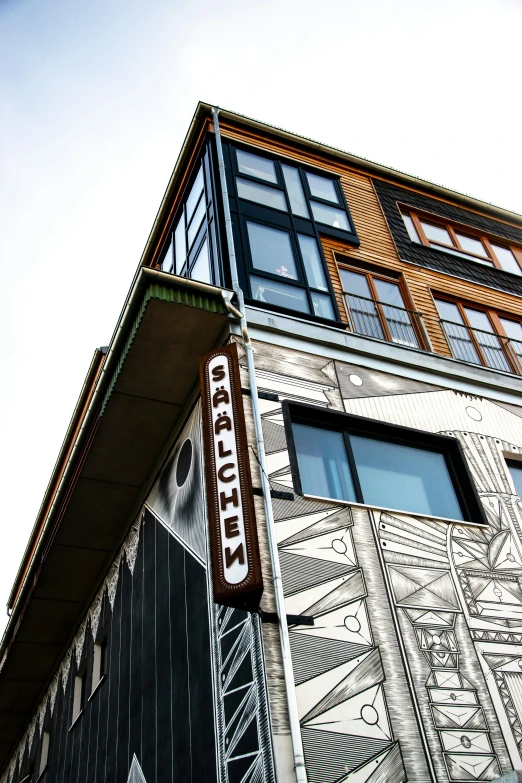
point(358, 460)
point(191, 247)
point(459, 241)
point(279, 211)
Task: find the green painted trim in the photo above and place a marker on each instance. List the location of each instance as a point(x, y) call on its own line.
point(180, 296)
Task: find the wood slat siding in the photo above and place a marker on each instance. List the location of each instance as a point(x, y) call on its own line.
point(377, 246)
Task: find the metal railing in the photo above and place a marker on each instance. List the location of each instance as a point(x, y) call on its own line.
point(480, 347)
point(407, 327)
point(386, 322)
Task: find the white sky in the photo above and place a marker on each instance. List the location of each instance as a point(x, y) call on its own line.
point(95, 100)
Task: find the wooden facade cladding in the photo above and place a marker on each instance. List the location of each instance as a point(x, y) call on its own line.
point(377, 246)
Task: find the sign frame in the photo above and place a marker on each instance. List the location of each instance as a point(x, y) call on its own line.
point(234, 549)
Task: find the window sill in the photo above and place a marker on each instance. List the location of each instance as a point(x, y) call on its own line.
point(367, 507)
point(75, 721)
point(95, 689)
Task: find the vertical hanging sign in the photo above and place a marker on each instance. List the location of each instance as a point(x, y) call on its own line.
point(234, 551)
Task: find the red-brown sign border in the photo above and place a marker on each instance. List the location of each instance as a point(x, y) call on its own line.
point(246, 594)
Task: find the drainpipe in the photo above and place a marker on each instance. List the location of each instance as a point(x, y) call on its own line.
point(295, 728)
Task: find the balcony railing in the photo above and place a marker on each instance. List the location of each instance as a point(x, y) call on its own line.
point(407, 327)
point(480, 347)
point(386, 322)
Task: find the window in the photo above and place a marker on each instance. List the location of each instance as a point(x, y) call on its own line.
point(279, 212)
point(375, 307)
point(481, 336)
point(44, 753)
point(353, 459)
point(80, 688)
point(99, 663)
point(439, 234)
point(515, 468)
point(191, 247)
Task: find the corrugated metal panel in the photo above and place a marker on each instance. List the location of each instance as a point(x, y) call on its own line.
point(175, 295)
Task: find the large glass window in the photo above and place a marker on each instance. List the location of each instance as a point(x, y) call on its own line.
point(349, 458)
point(271, 251)
point(191, 249)
point(279, 211)
point(404, 477)
point(452, 239)
point(323, 464)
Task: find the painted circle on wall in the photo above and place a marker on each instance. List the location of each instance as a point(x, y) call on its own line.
point(356, 380)
point(369, 714)
point(465, 742)
point(184, 463)
point(436, 638)
point(352, 624)
point(339, 546)
point(473, 413)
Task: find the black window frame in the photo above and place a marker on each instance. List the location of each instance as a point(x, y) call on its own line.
point(512, 462)
point(209, 228)
point(244, 210)
point(350, 424)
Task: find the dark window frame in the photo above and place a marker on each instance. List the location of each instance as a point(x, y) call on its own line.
point(209, 228)
point(245, 210)
point(513, 462)
point(349, 424)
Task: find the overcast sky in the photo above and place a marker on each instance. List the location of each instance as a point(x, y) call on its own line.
point(95, 99)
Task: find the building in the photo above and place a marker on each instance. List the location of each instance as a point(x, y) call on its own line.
point(378, 448)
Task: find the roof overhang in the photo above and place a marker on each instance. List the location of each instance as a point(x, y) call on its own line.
point(148, 376)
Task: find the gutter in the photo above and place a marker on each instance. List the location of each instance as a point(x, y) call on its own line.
point(293, 714)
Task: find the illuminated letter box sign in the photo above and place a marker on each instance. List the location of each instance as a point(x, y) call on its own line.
point(234, 551)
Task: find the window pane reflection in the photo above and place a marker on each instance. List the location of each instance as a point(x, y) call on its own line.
point(436, 233)
point(295, 191)
point(201, 269)
point(261, 194)
point(506, 259)
point(180, 245)
point(404, 477)
point(323, 465)
point(272, 292)
point(321, 187)
point(256, 166)
point(322, 305)
point(410, 227)
point(472, 245)
point(196, 222)
point(516, 475)
point(312, 262)
point(330, 216)
point(271, 250)
point(195, 193)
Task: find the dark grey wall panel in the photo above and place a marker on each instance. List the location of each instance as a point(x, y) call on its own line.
point(389, 195)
